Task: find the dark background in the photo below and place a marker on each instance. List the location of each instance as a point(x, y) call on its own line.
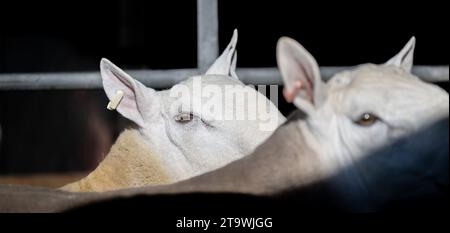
point(56, 131)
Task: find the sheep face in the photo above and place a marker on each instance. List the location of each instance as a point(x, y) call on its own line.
point(358, 110)
point(199, 124)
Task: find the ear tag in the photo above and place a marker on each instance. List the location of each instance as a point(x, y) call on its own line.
point(115, 101)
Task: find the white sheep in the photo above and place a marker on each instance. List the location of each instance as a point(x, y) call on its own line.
point(178, 136)
point(361, 109)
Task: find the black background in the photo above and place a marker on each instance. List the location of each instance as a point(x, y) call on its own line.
point(73, 35)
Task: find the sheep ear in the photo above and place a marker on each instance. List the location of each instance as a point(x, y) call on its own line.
point(226, 63)
point(136, 97)
point(404, 59)
point(301, 75)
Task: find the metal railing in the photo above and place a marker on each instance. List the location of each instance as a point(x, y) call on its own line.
point(207, 52)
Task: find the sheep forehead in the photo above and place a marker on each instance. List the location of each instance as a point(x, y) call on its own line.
point(374, 81)
point(233, 93)
point(213, 80)
point(382, 89)
point(367, 75)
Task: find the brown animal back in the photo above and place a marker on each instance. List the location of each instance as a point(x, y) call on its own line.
point(129, 164)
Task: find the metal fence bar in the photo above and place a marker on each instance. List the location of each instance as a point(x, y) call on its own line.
point(432, 73)
point(167, 78)
point(207, 33)
point(269, 76)
point(89, 80)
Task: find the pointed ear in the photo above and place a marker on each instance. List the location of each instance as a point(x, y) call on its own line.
point(136, 99)
point(226, 63)
point(404, 59)
point(302, 82)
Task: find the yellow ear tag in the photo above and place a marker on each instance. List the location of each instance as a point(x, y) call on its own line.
point(115, 101)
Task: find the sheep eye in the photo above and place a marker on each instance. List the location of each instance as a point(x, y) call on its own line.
point(367, 119)
point(184, 117)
